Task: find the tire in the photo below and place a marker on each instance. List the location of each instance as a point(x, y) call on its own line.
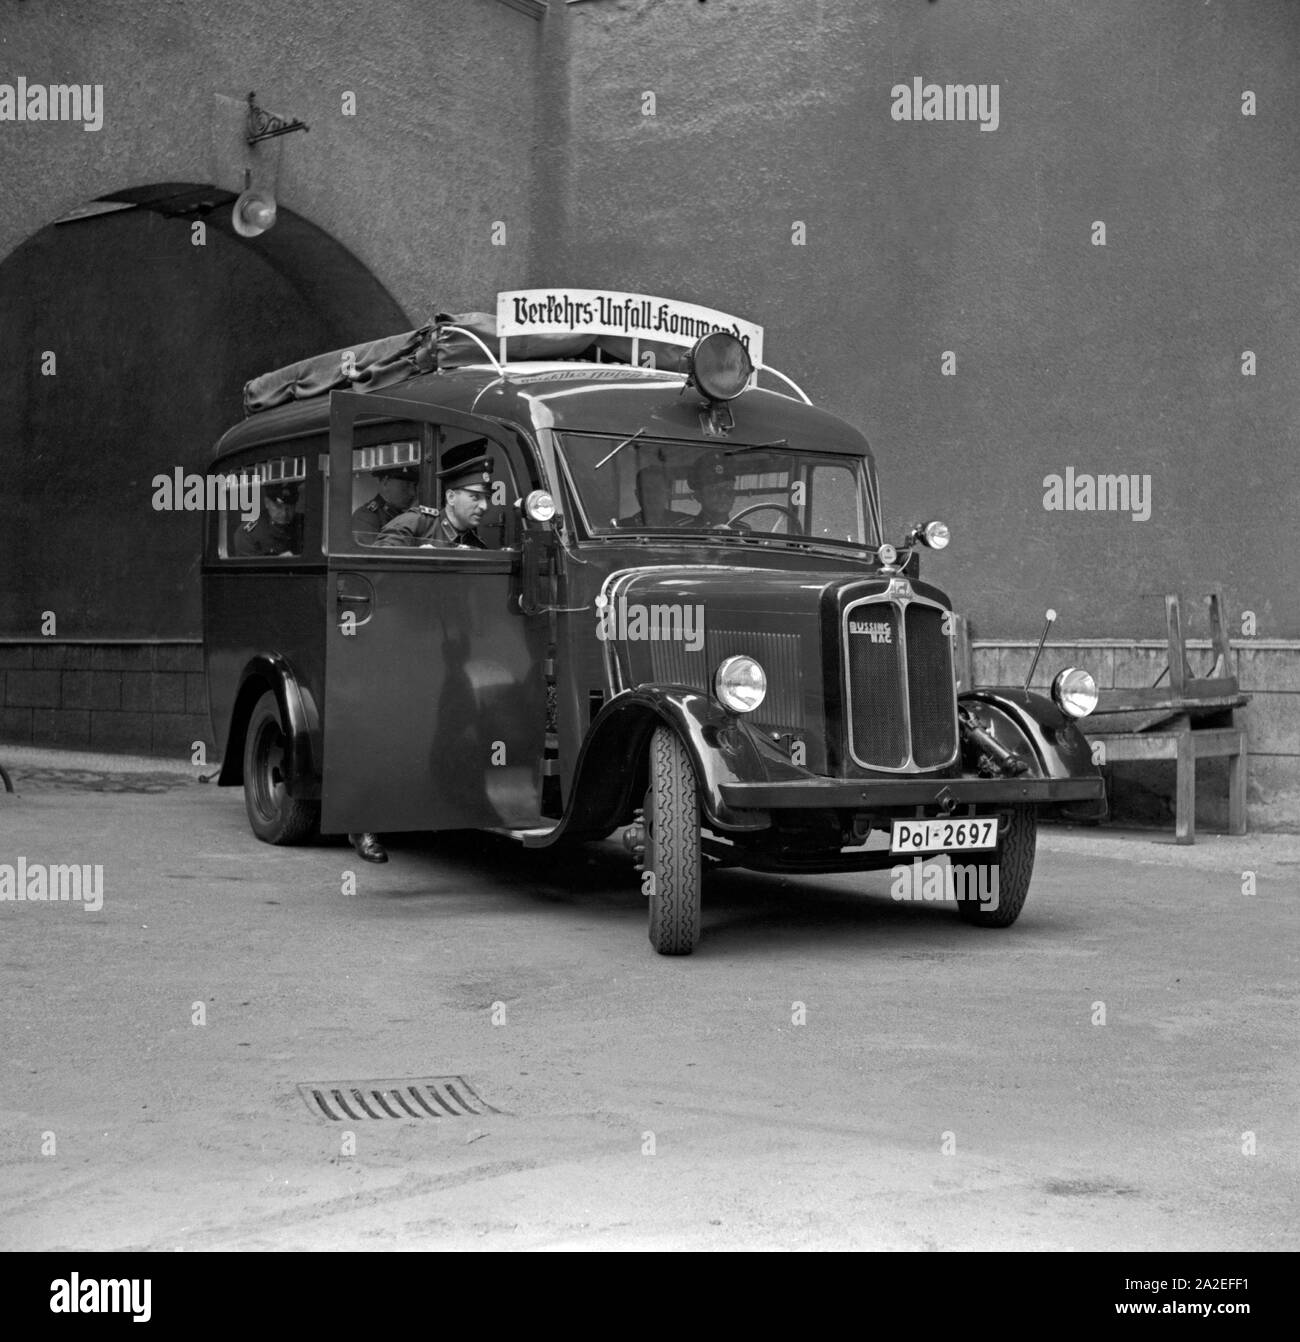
point(1013, 867)
point(672, 846)
point(275, 816)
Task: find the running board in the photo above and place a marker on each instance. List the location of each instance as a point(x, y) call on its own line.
point(529, 838)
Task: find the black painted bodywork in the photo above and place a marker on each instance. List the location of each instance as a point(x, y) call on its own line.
point(467, 657)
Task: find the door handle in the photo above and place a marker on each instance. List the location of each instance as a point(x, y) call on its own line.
point(353, 601)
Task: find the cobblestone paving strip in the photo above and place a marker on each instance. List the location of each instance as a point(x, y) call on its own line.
point(94, 780)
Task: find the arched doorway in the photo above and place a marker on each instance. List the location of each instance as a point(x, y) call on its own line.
point(128, 347)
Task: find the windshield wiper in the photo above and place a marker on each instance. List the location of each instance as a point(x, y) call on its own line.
point(618, 449)
point(757, 447)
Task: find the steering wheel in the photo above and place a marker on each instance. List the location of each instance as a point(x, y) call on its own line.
point(776, 507)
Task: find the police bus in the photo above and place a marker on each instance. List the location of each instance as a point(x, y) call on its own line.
point(615, 586)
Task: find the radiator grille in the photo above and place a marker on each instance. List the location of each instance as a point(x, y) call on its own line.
point(875, 671)
point(929, 687)
point(898, 669)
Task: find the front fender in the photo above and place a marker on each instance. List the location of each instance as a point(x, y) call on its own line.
point(1030, 724)
point(298, 716)
point(612, 770)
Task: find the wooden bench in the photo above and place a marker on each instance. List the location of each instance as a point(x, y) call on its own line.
point(1191, 718)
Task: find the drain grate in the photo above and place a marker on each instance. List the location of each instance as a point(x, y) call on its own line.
point(425, 1097)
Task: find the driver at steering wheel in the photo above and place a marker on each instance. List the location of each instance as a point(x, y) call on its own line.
point(714, 486)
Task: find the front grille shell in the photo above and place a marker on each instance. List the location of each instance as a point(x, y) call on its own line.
point(900, 697)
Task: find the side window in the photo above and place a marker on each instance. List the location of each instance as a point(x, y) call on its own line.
point(270, 517)
point(469, 468)
point(834, 509)
point(454, 488)
point(388, 466)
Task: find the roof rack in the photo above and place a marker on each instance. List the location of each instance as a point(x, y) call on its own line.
point(529, 324)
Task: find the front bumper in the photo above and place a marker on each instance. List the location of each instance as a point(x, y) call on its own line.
point(855, 794)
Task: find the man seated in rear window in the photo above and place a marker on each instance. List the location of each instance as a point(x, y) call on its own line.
point(279, 529)
point(466, 481)
point(397, 485)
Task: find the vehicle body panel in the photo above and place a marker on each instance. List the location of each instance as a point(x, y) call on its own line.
point(480, 691)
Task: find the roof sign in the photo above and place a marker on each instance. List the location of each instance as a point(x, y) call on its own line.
point(632, 316)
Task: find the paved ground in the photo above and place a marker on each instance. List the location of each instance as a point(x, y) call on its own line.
point(646, 1102)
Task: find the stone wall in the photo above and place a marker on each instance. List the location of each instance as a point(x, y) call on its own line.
point(1267, 670)
point(924, 237)
point(440, 146)
point(141, 698)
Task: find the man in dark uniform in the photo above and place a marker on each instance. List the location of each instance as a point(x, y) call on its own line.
point(279, 529)
point(466, 482)
point(396, 494)
point(654, 492)
point(713, 484)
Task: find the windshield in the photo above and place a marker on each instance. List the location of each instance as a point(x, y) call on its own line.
point(643, 484)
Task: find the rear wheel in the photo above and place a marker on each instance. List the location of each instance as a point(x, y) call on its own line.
point(672, 853)
point(275, 816)
point(1006, 876)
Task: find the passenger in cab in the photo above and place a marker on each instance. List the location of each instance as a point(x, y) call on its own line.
point(654, 493)
point(278, 531)
point(397, 485)
point(466, 481)
point(713, 484)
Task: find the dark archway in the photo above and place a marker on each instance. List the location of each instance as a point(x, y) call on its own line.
point(152, 339)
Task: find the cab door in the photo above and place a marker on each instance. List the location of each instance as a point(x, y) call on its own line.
point(434, 712)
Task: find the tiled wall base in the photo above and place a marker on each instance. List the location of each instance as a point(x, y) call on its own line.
point(136, 698)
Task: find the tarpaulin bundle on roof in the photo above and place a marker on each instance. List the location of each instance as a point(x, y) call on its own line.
point(381, 363)
point(456, 350)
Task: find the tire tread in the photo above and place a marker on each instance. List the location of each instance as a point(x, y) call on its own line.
point(1017, 844)
point(675, 899)
point(296, 821)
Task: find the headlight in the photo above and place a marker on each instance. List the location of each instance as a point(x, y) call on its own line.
point(936, 535)
point(539, 506)
point(720, 366)
point(1075, 692)
point(740, 684)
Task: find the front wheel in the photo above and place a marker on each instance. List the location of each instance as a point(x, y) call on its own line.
point(275, 816)
point(1004, 879)
point(672, 854)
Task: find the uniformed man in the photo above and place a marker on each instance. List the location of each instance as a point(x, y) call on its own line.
point(713, 484)
point(278, 531)
point(397, 485)
point(466, 483)
point(654, 492)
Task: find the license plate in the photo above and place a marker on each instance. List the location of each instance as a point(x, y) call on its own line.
point(933, 836)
